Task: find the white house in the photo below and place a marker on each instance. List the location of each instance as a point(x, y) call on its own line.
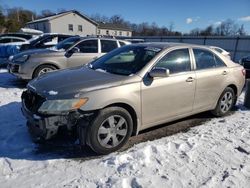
point(109, 29)
point(69, 22)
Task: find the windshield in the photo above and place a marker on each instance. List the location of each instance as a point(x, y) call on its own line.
point(67, 43)
point(125, 60)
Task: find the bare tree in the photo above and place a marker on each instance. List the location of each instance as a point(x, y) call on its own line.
point(208, 31)
point(195, 32)
point(46, 13)
point(98, 18)
point(241, 30)
point(226, 28)
point(171, 26)
point(2, 21)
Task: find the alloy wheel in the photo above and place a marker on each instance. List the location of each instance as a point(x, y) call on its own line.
point(112, 131)
point(226, 102)
point(45, 70)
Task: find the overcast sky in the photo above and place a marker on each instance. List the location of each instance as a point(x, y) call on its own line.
point(185, 15)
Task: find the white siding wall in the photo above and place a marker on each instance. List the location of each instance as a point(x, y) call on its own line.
point(60, 25)
point(115, 32)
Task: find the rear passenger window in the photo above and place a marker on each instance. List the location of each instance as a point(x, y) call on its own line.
point(122, 43)
point(219, 62)
point(5, 40)
point(88, 46)
point(176, 61)
point(205, 59)
point(108, 45)
point(61, 38)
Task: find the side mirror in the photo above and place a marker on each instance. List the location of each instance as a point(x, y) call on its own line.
point(71, 51)
point(74, 50)
point(159, 72)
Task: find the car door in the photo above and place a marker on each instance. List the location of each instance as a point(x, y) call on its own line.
point(169, 97)
point(211, 73)
point(87, 51)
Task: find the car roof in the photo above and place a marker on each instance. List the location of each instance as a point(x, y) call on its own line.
point(21, 35)
point(165, 45)
point(12, 37)
point(57, 34)
point(104, 38)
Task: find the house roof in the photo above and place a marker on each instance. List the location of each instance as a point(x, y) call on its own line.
point(102, 25)
point(60, 15)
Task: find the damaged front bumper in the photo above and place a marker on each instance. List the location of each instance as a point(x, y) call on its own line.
point(43, 127)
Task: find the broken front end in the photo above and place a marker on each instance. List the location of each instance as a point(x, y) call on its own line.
point(45, 117)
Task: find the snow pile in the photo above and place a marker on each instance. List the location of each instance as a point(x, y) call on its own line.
point(52, 92)
point(215, 154)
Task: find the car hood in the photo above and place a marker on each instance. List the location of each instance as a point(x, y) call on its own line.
point(35, 52)
point(70, 83)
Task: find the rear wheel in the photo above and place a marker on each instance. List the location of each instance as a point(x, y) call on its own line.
point(43, 69)
point(109, 130)
point(225, 103)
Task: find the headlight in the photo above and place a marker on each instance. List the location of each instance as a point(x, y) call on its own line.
point(22, 58)
point(60, 106)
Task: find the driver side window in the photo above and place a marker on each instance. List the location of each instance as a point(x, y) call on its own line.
point(88, 46)
point(176, 61)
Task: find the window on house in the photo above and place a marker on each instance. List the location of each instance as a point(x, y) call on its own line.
point(70, 26)
point(120, 33)
point(115, 33)
point(128, 33)
point(107, 32)
point(98, 31)
point(80, 28)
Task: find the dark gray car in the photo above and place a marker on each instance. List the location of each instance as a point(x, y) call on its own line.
point(72, 52)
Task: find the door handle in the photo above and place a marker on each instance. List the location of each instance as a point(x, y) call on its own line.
point(190, 79)
point(224, 73)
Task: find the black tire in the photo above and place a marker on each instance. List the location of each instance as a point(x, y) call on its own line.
point(38, 70)
point(121, 123)
point(222, 109)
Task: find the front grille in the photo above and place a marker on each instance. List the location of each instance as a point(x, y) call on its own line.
point(15, 68)
point(32, 101)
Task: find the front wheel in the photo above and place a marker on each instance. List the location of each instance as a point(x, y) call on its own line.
point(225, 102)
point(109, 130)
point(43, 69)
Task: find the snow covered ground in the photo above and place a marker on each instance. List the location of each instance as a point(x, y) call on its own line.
point(215, 154)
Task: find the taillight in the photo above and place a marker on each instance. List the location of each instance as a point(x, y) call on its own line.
point(243, 72)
